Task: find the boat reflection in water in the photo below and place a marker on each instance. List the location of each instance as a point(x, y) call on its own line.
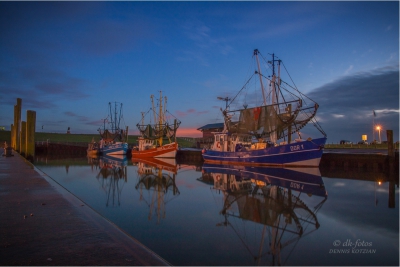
point(112, 176)
point(156, 183)
point(273, 200)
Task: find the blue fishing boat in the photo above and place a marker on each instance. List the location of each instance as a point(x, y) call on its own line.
point(263, 135)
point(113, 140)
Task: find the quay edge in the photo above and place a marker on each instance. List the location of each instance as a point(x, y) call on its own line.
point(44, 224)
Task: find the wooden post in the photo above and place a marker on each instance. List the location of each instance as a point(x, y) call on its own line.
point(389, 134)
point(30, 134)
point(12, 137)
point(23, 138)
point(14, 132)
point(18, 125)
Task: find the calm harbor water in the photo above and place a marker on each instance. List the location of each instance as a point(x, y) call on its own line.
point(228, 215)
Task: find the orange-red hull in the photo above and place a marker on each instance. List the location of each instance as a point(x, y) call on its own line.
point(165, 151)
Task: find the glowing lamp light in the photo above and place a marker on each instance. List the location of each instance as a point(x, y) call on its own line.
point(379, 132)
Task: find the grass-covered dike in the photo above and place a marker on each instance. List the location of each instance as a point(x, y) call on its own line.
point(132, 140)
point(5, 136)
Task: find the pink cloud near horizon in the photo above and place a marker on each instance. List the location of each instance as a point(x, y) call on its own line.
point(189, 112)
point(189, 132)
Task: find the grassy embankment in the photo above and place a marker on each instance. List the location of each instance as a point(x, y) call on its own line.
point(82, 138)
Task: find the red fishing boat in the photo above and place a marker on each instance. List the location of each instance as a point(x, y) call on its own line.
point(158, 139)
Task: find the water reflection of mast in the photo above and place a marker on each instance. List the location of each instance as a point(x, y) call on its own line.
point(112, 172)
point(273, 209)
point(152, 178)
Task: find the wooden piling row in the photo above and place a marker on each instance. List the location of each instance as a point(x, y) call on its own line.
point(12, 137)
point(23, 138)
point(23, 133)
point(30, 133)
point(18, 124)
point(15, 128)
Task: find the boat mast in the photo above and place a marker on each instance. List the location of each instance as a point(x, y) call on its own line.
point(279, 79)
point(260, 75)
point(273, 97)
point(111, 116)
point(142, 117)
point(165, 109)
point(160, 117)
point(154, 110)
point(115, 117)
point(165, 119)
point(120, 115)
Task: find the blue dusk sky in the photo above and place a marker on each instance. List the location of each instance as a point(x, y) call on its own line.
point(68, 60)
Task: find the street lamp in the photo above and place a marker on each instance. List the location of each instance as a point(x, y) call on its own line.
point(379, 132)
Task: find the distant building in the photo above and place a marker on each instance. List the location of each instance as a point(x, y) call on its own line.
point(209, 128)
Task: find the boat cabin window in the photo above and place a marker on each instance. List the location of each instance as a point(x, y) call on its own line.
point(220, 138)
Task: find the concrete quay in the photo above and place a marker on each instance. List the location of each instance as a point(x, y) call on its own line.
point(44, 224)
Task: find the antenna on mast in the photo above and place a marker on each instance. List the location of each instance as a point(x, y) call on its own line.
point(226, 99)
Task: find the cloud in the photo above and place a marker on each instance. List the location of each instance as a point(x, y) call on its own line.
point(188, 112)
point(188, 132)
point(338, 116)
point(79, 117)
point(43, 85)
point(108, 36)
point(348, 70)
point(204, 40)
point(371, 90)
point(346, 104)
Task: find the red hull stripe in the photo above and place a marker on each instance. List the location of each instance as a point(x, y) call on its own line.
point(154, 152)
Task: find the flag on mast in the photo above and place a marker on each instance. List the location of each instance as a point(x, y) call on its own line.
point(373, 111)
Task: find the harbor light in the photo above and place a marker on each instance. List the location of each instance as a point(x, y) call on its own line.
point(378, 128)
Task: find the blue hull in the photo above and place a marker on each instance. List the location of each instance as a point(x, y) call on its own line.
point(300, 154)
point(114, 149)
point(299, 180)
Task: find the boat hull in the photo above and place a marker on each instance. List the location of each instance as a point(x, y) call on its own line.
point(299, 154)
point(92, 152)
point(116, 149)
point(165, 151)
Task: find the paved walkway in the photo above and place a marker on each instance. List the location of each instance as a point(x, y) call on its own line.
point(41, 223)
